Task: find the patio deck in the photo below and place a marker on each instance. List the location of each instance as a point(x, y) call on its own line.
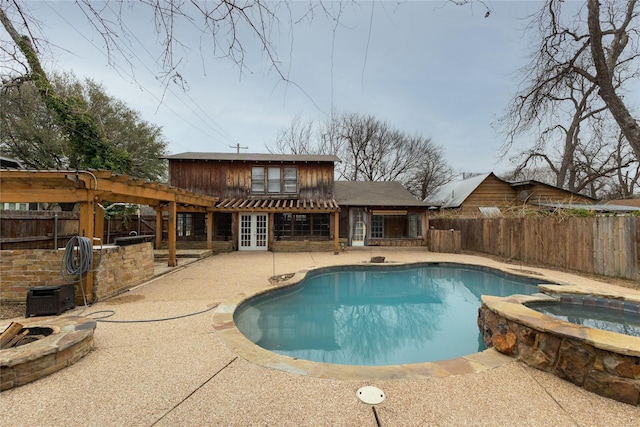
point(178, 372)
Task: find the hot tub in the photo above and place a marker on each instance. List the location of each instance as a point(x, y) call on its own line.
point(601, 361)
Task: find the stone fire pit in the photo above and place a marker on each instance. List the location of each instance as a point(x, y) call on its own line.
point(69, 339)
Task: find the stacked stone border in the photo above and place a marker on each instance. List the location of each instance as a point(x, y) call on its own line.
point(599, 361)
point(116, 269)
point(72, 339)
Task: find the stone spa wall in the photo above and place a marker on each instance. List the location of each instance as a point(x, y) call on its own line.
point(602, 362)
point(120, 268)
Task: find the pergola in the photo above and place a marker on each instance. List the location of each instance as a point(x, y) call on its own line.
point(90, 188)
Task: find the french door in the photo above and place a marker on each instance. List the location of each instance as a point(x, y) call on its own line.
point(359, 227)
point(253, 232)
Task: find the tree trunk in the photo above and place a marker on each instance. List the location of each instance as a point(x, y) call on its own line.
point(628, 125)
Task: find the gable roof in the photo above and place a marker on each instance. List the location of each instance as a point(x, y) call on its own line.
point(625, 202)
point(602, 207)
point(373, 193)
point(253, 157)
point(453, 194)
point(533, 183)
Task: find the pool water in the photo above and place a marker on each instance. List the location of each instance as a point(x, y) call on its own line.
point(377, 316)
point(603, 318)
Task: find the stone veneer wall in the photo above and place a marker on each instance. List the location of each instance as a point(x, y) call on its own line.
point(121, 267)
point(71, 340)
point(24, 268)
point(606, 373)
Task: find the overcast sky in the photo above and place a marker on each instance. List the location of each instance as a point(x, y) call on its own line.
point(426, 67)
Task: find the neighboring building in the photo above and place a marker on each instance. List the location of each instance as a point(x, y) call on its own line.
point(267, 201)
point(625, 202)
point(286, 202)
point(488, 195)
point(8, 163)
point(375, 213)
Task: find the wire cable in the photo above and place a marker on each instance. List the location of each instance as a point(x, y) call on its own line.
point(162, 319)
point(78, 259)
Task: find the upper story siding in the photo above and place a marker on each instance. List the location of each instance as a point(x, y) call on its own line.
point(231, 178)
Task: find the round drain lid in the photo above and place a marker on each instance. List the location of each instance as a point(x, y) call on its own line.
point(371, 395)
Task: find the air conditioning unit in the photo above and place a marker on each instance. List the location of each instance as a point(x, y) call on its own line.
point(50, 300)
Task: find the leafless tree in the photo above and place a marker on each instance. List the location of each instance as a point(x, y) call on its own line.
point(627, 179)
point(369, 150)
point(227, 28)
point(296, 139)
point(618, 26)
point(562, 99)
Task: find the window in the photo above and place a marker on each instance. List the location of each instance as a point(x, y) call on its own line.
point(288, 225)
point(274, 180)
point(414, 225)
point(377, 226)
point(290, 180)
point(389, 226)
point(257, 179)
point(184, 224)
point(16, 206)
point(278, 180)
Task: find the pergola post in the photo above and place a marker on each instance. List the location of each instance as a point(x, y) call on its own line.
point(86, 229)
point(209, 230)
point(158, 228)
point(172, 262)
point(336, 233)
point(99, 222)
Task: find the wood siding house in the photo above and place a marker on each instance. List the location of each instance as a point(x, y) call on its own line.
point(488, 195)
point(266, 201)
point(380, 214)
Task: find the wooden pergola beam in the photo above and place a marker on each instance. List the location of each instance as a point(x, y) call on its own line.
point(90, 188)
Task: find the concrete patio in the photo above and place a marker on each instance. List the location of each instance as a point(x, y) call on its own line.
point(178, 372)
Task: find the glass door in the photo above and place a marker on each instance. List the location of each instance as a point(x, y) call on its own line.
point(359, 227)
point(253, 232)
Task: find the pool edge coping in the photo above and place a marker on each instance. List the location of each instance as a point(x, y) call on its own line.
point(239, 344)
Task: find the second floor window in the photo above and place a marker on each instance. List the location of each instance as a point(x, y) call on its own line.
point(274, 179)
point(257, 179)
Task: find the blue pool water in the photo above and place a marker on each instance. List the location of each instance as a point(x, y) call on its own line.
point(603, 318)
point(377, 315)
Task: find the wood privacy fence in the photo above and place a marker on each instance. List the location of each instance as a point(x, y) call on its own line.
point(48, 230)
point(608, 246)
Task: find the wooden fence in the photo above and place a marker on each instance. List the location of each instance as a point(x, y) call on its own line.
point(50, 230)
point(608, 246)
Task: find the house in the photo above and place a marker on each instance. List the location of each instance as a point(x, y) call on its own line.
point(266, 201)
point(488, 195)
point(374, 213)
point(10, 164)
point(285, 202)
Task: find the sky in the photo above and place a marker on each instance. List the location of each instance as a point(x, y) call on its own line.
point(427, 68)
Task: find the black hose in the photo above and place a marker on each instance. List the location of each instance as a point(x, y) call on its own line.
point(77, 262)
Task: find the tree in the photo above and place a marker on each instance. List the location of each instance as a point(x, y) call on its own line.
point(88, 147)
point(32, 134)
point(563, 102)
point(622, 24)
point(369, 150)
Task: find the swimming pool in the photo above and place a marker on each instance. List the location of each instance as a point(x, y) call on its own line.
point(377, 315)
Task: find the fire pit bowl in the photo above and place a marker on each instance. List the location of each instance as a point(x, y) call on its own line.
point(67, 340)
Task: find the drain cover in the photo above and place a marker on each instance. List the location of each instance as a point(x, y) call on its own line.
point(371, 395)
